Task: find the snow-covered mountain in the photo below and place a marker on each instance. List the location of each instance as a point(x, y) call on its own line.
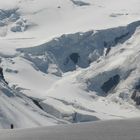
point(69, 61)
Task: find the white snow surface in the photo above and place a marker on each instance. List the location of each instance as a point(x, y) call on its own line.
point(102, 130)
point(61, 52)
point(18, 109)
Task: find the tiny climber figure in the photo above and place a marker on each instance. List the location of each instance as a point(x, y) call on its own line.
point(12, 126)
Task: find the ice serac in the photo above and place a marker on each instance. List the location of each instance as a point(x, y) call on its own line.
point(79, 49)
point(66, 111)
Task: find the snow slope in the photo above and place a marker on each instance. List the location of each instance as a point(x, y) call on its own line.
point(17, 109)
point(105, 130)
point(77, 59)
point(72, 91)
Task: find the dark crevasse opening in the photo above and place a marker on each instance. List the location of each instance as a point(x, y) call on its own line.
point(74, 57)
point(111, 83)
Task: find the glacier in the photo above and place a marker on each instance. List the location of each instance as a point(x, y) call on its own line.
point(68, 61)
